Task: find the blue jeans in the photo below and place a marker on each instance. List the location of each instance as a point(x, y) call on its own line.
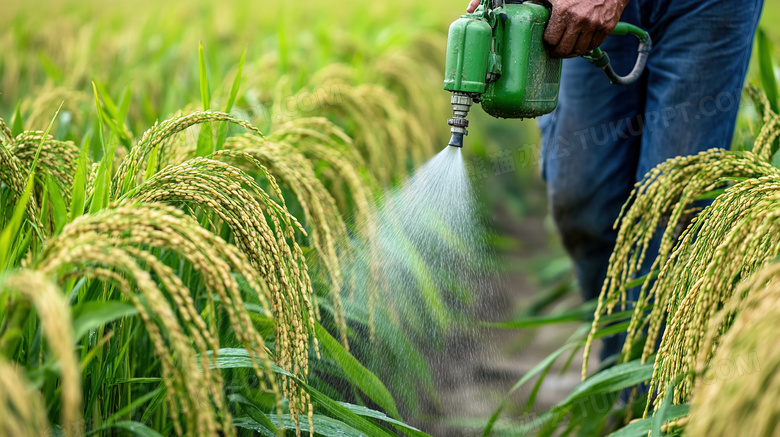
point(602, 138)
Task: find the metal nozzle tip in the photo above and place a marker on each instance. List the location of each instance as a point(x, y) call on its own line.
point(456, 140)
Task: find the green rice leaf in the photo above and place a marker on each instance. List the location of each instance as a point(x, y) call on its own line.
point(766, 69)
point(776, 159)
point(541, 368)
point(230, 358)
point(151, 163)
point(367, 412)
point(112, 116)
point(129, 426)
point(357, 374)
point(231, 100)
point(267, 428)
point(124, 106)
point(236, 84)
point(108, 103)
point(136, 403)
point(204, 79)
point(59, 210)
point(94, 314)
point(17, 126)
point(640, 428)
point(43, 138)
point(323, 426)
point(611, 380)
point(79, 191)
point(11, 230)
point(205, 145)
point(205, 140)
point(102, 182)
point(99, 118)
point(347, 416)
point(581, 313)
point(660, 416)
point(101, 193)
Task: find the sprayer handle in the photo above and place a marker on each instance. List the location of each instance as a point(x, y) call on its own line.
point(600, 58)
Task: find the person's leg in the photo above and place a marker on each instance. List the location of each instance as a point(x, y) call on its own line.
point(590, 154)
point(695, 75)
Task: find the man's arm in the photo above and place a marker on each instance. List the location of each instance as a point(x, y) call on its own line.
point(577, 26)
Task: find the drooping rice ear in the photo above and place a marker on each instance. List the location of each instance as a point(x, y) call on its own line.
point(12, 173)
point(6, 131)
point(126, 174)
point(57, 158)
point(737, 393)
point(116, 239)
point(40, 109)
point(733, 239)
point(53, 311)
point(237, 200)
point(663, 198)
point(22, 410)
point(327, 230)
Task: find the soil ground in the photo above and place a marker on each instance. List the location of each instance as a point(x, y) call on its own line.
point(472, 385)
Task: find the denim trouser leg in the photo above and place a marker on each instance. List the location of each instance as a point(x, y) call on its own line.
point(603, 138)
point(695, 75)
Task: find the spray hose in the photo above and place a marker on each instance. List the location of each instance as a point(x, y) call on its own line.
point(600, 59)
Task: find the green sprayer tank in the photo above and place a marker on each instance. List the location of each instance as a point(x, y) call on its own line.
point(496, 56)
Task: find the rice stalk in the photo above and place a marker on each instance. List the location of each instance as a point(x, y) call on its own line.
point(743, 399)
point(763, 286)
point(53, 311)
point(327, 229)
point(120, 238)
point(731, 240)
point(12, 173)
point(22, 410)
point(47, 100)
point(57, 158)
point(768, 120)
point(322, 141)
point(94, 257)
point(395, 69)
point(698, 273)
point(375, 115)
point(377, 134)
point(9, 136)
point(279, 161)
point(767, 137)
point(218, 187)
point(663, 198)
point(126, 174)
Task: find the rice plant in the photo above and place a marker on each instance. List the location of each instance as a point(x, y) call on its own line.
point(699, 269)
point(189, 265)
point(52, 309)
point(742, 399)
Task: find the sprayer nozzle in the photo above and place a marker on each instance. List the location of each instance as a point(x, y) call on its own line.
point(456, 140)
point(461, 103)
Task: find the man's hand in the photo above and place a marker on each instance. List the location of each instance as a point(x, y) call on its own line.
point(577, 26)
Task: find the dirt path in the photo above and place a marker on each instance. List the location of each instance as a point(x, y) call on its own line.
point(477, 372)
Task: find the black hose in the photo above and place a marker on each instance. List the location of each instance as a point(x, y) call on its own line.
point(643, 52)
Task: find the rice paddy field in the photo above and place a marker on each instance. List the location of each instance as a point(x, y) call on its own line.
point(236, 218)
